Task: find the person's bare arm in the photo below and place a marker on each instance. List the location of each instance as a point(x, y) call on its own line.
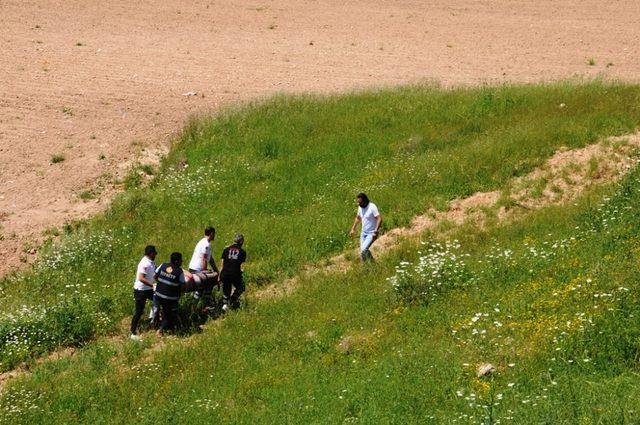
point(221, 268)
point(142, 278)
point(203, 262)
point(378, 223)
point(186, 277)
point(355, 223)
point(212, 262)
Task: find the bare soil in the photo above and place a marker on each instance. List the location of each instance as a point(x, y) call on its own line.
point(106, 84)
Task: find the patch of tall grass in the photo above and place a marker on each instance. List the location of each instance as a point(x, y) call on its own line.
point(284, 172)
point(550, 301)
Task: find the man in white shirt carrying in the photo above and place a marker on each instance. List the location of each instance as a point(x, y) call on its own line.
point(368, 215)
point(200, 260)
point(143, 286)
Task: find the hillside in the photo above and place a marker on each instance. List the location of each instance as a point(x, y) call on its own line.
point(547, 296)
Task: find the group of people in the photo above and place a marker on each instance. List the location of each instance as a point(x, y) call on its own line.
point(164, 285)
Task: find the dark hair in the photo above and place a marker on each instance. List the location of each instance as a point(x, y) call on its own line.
point(150, 249)
point(364, 198)
point(176, 258)
point(209, 231)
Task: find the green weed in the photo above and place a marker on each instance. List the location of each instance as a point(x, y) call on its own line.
point(57, 158)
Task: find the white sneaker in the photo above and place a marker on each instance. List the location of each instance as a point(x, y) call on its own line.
point(135, 337)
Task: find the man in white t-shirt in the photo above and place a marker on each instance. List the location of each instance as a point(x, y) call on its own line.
point(143, 286)
point(368, 215)
point(200, 260)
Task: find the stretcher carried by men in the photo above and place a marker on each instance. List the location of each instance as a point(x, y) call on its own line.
point(203, 280)
point(171, 281)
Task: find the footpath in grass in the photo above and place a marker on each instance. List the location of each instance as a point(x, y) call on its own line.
point(551, 301)
point(284, 172)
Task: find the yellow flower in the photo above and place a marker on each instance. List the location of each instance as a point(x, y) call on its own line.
point(482, 386)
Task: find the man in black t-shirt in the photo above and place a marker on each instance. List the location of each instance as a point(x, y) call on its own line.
point(231, 272)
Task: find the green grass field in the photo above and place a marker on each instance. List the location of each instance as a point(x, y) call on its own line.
point(550, 300)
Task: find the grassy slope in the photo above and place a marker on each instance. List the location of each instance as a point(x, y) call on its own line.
point(284, 173)
point(288, 361)
point(425, 144)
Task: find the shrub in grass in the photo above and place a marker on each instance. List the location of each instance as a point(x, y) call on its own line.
point(610, 342)
point(133, 179)
point(87, 195)
point(440, 269)
point(147, 169)
point(34, 331)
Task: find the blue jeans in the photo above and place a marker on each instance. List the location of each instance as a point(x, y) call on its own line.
point(366, 240)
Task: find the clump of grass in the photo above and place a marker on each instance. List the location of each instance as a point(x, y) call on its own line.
point(593, 168)
point(591, 61)
point(57, 158)
point(133, 179)
point(555, 188)
point(506, 200)
point(87, 195)
point(51, 231)
point(147, 169)
point(67, 111)
point(535, 188)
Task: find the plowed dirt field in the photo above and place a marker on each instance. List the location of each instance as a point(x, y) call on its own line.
point(88, 88)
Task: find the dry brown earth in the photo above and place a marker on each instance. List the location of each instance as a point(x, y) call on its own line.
point(91, 80)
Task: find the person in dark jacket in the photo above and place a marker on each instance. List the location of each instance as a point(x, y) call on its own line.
point(231, 272)
point(170, 280)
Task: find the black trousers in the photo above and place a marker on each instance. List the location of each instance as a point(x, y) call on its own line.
point(169, 313)
point(140, 298)
point(232, 281)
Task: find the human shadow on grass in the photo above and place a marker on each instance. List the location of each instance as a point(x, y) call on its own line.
point(191, 316)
